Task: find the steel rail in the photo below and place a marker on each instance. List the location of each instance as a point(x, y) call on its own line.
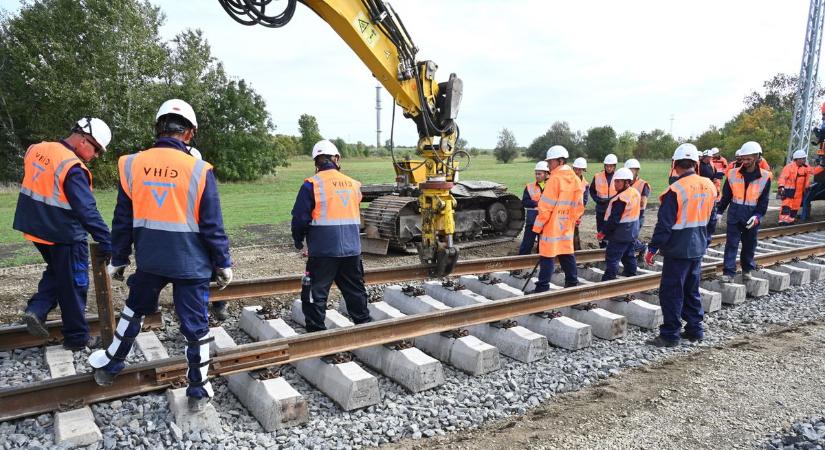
point(292, 283)
point(51, 395)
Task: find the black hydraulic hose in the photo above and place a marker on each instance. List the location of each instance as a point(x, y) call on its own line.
point(253, 12)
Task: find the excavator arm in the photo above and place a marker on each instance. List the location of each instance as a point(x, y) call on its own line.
point(378, 37)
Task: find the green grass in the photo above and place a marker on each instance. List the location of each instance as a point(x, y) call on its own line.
point(270, 200)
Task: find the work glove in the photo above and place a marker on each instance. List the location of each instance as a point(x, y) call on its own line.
point(719, 217)
point(781, 192)
point(115, 272)
point(649, 257)
point(752, 222)
point(223, 277)
point(600, 236)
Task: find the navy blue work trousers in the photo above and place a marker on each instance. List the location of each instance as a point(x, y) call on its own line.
point(619, 251)
point(64, 283)
point(735, 233)
point(547, 266)
point(348, 274)
point(528, 240)
point(680, 299)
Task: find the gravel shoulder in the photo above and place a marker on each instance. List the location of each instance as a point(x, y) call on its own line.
point(728, 396)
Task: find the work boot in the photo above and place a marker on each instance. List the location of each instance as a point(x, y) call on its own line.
point(691, 337)
point(726, 278)
point(198, 404)
point(104, 378)
point(220, 311)
point(746, 276)
point(92, 342)
point(34, 325)
point(662, 342)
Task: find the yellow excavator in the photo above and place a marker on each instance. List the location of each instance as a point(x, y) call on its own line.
point(378, 37)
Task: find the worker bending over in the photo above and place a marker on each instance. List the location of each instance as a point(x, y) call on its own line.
point(327, 214)
point(686, 211)
point(579, 167)
point(746, 192)
point(793, 182)
point(561, 205)
point(530, 201)
point(621, 227)
point(56, 211)
point(602, 190)
point(168, 207)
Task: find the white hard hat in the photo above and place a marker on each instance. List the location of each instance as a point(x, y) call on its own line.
point(542, 165)
point(705, 153)
point(95, 128)
point(632, 163)
point(195, 153)
point(556, 152)
point(800, 154)
point(178, 107)
point(623, 174)
point(324, 147)
point(737, 153)
point(713, 151)
point(750, 148)
point(611, 159)
point(686, 151)
point(580, 163)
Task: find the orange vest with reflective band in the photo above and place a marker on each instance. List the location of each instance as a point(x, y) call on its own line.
point(695, 198)
point(639, 186)
point(166, 186)
point(560, 206)
point(720, 164)
point(632, 200)
point(337, 199)
point(45, 215)
point(749, 196)
point(604, 190)
point(534, 190)
point(795, 177)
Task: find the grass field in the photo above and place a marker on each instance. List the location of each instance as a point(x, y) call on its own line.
point(270, 200)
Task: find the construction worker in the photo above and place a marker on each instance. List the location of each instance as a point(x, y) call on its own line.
point(560, 207)
point(579, 167)
point(55, 211)
point(168, 206)
point(736, 163)
point(621, 226)
point(746, 191)
point(720, 164)
point(643, 188)
point(794, 180)
point(219, 309)
point(327, 215)
point(713, 170)
point(681, 235)
point(530, 201)
point(602, 190)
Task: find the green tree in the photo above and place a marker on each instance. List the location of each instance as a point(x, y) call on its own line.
point(763, 125)
point(655, 144)
point(712, 137)
point(310, 133)
point(559, 133)
point(625, 144)
point(507, 148)
point(460, 144)
point(600, 142)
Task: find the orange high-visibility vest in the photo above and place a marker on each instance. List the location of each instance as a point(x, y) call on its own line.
point(534, 191)
point(748, 197)
point(560, 206)
point(337, 199)
point(604, 190)
point(795, 177)
point(639, 186)
point(695, 197)
point(632, 210)
point(46, 166)
point(166, 187)
point(763, 164)
point(720, 164)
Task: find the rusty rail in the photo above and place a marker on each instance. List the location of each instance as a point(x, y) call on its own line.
point(45, 396)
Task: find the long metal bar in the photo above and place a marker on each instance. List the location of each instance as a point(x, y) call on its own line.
point(292, 283)
point(50, 395)
point(103, 295)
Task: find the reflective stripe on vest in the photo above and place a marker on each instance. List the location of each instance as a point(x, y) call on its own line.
point(45, 168)
point(632, 207)
point(166, 186)
point(337, 199)
point(755, 188)
point(534, 191)
point(604, 190)
point(695, 197)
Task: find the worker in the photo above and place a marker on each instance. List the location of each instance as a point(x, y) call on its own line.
point(327, 214)
point(168, 207)
point(579, 167)
point(762, 163)
point(530, 201)
point(713, 168)
point(560, 206)
point(56, 211)
point(746, 191)
point(794, 180)
point(643, 188)
point(719, 162)
point(602, 190)
point(621, 226)
point(219, 309)
point(686, 211)
point(736, 163)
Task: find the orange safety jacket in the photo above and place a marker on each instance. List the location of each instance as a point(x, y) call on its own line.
point(794, 179)
point(750, 196)
point(604, 189)
point(336, 217)
point(695, 199)
point(43, 213)
point(560, 206)
point(627, 230)
point(534, 190)
point(166, 187)
point(639, 186)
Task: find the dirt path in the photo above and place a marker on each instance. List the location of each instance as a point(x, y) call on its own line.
point(725, 397)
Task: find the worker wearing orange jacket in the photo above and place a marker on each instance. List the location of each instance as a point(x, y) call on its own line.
point(602, 190)
point(579, 167)
point(794, 180)
point(621, 226)
point(560, 207)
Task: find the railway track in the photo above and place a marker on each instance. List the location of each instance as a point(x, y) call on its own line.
point(394, 333)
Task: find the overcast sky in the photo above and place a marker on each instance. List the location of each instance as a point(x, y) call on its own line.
point(525, 64)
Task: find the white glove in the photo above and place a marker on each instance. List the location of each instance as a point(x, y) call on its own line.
point(115, 272)
point(719, 217)
point(753, 221)
point(224, 277)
